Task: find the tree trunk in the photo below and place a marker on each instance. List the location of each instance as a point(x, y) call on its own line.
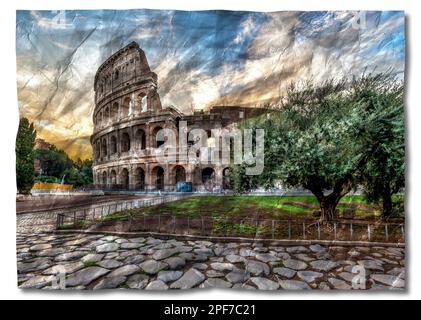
point(387, 202)
point(328, 208)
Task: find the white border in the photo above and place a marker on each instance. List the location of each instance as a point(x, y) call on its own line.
point(8, 127)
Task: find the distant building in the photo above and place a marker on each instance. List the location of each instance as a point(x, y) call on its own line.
point(127, 117)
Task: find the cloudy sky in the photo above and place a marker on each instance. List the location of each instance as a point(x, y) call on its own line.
point(202, 58)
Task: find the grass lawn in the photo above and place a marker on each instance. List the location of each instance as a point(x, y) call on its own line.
point(250, 206)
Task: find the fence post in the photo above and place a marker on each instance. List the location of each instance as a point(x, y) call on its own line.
point(257, 227)
point(159, 223)
point(386, 231)
point(334, 230)
point(273, 229)
point(369, 232)
point(351, 230)
point(203, 227)
point(318, 230)
point(173, 224)
point(289, 229)
point(188, 225)
point(403, 231)
point(304, 230)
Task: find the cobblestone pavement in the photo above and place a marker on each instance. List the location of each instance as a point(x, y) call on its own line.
point(82, 261)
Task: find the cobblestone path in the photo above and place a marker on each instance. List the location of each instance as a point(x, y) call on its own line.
point(82, 261)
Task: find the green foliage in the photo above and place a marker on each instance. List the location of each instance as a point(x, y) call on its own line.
point(25, 140)
point(46, 179)
point(332, 137)
point(56, 163)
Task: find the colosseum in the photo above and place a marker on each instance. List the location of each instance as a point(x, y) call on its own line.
point(127, 118)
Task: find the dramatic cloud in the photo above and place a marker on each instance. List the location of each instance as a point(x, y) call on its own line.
point(202, 58)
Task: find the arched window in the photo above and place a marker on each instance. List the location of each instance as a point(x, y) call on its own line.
point(104, 148)
point(113, 178)
point(116, 74)
point(113, 145)
point(125, 142)
point(125, 107)
point(98, 149)
point(124, 178)
point(140, 138)
point(226, 182)
point(208, 178)
point(114, 111)
point(158, 137)
point(158, 174)
point(179, 174)
point(104, 178)
point(139, 179)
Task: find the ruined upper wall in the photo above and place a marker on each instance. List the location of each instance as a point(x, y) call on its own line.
point(125, 67)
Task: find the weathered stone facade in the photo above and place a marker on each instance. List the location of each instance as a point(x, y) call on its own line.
point(127, 117)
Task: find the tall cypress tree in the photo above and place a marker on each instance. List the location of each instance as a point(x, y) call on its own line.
point(25, 141)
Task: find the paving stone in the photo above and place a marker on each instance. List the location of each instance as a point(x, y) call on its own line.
point(37, 282)
point(66, 268)
point(135, 259)
point(41, 246)
point(156, 285)
point(200, 266)
point(38, 264)
point(130, 245)
point(246, 252)
point(293, 285)
point(215, 283)
point(399, 272)
point(204, 252)
point(85, 276)
point(175, 262)
point(243, 286)
point(92, 257)
point(152, 266)
point(284, 272)
point(109, 264)
point(376, 265)
point(70, 256)
point(107, 247)
point(169, 276)
point(137, 281)
point(164, 253)
point(51, 252)
point(389, 280)
point(317, 248)
point(233, 258)
point(124, 270)
point(266, 257)
point(339, 284)
point(110, 282)
point(214, 274)
point(348, 276)
point(222, 266)
point(323, 265)
point(295, 264)
point(138, 240)
point(324, 286)
point(189, 280)
point(297, 249)
point(304, 257)
point(264, 284)
point(238, 276)
point(309, 276)
point(257, 268)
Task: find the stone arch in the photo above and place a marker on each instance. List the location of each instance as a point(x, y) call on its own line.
point(178, 174)
point(125, 107)
point(139, 179)
point(125, 142)
point(114, 111)
point(98, 149)
point(226, 179)
point(158, 176)
point(104, 178)
point(156, 143)
point(140, 139)
point(142, 102)
point(107, 113)
point(113, 178)
point(104, 147)
point(124, 178)
point(113, 145)
point(208, 178)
